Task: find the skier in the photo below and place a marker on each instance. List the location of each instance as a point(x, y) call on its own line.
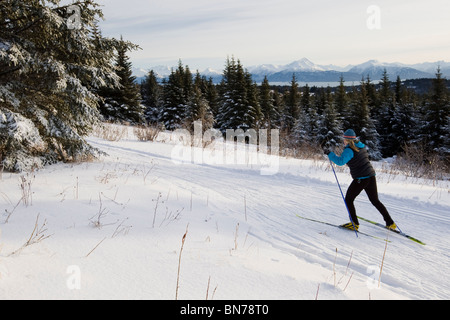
point(356, 157)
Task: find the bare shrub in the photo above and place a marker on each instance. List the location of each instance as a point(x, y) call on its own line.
point(147, 133)
point(111, 132)
point(416, 161)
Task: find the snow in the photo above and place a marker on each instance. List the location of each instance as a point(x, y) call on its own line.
point(242, 232)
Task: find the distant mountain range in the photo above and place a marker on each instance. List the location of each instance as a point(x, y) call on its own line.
point(307, 71)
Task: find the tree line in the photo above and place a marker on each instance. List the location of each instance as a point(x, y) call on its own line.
point(387, 116)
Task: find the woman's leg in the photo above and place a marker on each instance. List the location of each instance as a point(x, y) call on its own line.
point(353, 191)
point(372, 193)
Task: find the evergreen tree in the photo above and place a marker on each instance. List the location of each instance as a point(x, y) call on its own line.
point(361, 122)
point(399, 91)
point(278, 108)
point(50, 72)
point(186, 76)
point(305, 101)
point(307, 126)
point(151, 97)
point(301, 132)
point(177, 93)
point(291, 111)
point(404, 121)
point(238, 106)
point(253, 115)
point(342, 101)
point(373, 100)
point(436, 131)
point(384, 116)
point(404, 125)
point(212, 96)
point(232, 102)
point(330, 129)
point(385, 91)
point(320, 100)
point(123, 103)
point(174, 104)
point(269, 112)
point(198, 110)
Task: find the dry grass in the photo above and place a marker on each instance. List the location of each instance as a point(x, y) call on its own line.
point(147, 133)
point(179, 261)
point(37, 235)
point(111, 132)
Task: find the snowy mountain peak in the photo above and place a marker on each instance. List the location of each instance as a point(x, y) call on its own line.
point(304, 65)
point(372, 63)
point(211, 72)
point(367, 65)
point(264, 68)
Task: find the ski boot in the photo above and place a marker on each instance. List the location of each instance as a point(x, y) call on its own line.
point(350, 226)
point(392, 226)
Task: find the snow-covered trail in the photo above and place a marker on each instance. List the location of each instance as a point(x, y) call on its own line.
point(272, 202)
point(243, 232)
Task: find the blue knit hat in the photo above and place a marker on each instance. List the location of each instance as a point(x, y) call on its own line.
point(350, 135)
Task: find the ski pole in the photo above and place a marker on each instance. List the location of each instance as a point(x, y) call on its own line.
point(342, 194)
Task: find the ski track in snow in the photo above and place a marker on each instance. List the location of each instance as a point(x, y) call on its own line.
point(277, 255)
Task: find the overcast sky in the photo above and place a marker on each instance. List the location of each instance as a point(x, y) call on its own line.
point(204, 32)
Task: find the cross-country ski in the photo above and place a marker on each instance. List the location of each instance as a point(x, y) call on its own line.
point(393, 230)
point(341, 227)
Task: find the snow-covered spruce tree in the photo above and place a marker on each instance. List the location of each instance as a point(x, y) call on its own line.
point(330, 128)
point(198, 109)
point(384, 115)
point(151, 97)
point(238, 105)
point(253, 115)
point(50, 68)
point(306, 129)
point(360, 121)
point(436, 129)
point(270, 113)
point(209, 92)
point(291, 111)
point(404, 122)
point(123, 103)
point(177, 91)
point(342, 101)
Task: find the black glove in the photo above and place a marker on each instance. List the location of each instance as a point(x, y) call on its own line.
point(326, 151)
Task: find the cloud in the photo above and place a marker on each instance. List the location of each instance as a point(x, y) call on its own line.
point(174, 15)
point(263, 31)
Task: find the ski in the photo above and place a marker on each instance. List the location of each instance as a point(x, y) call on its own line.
point(340, 227)
point(396, 231)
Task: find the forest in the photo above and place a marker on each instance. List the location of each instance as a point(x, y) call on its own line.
point(389, 117)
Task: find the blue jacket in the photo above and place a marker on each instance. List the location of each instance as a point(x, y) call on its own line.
point(358, 162)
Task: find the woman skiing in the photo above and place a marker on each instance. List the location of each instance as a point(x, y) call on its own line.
point(356, 157)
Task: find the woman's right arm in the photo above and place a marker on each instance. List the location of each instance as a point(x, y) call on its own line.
point(345, 157)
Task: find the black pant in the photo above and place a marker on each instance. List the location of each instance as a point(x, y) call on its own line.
point(370, 186)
